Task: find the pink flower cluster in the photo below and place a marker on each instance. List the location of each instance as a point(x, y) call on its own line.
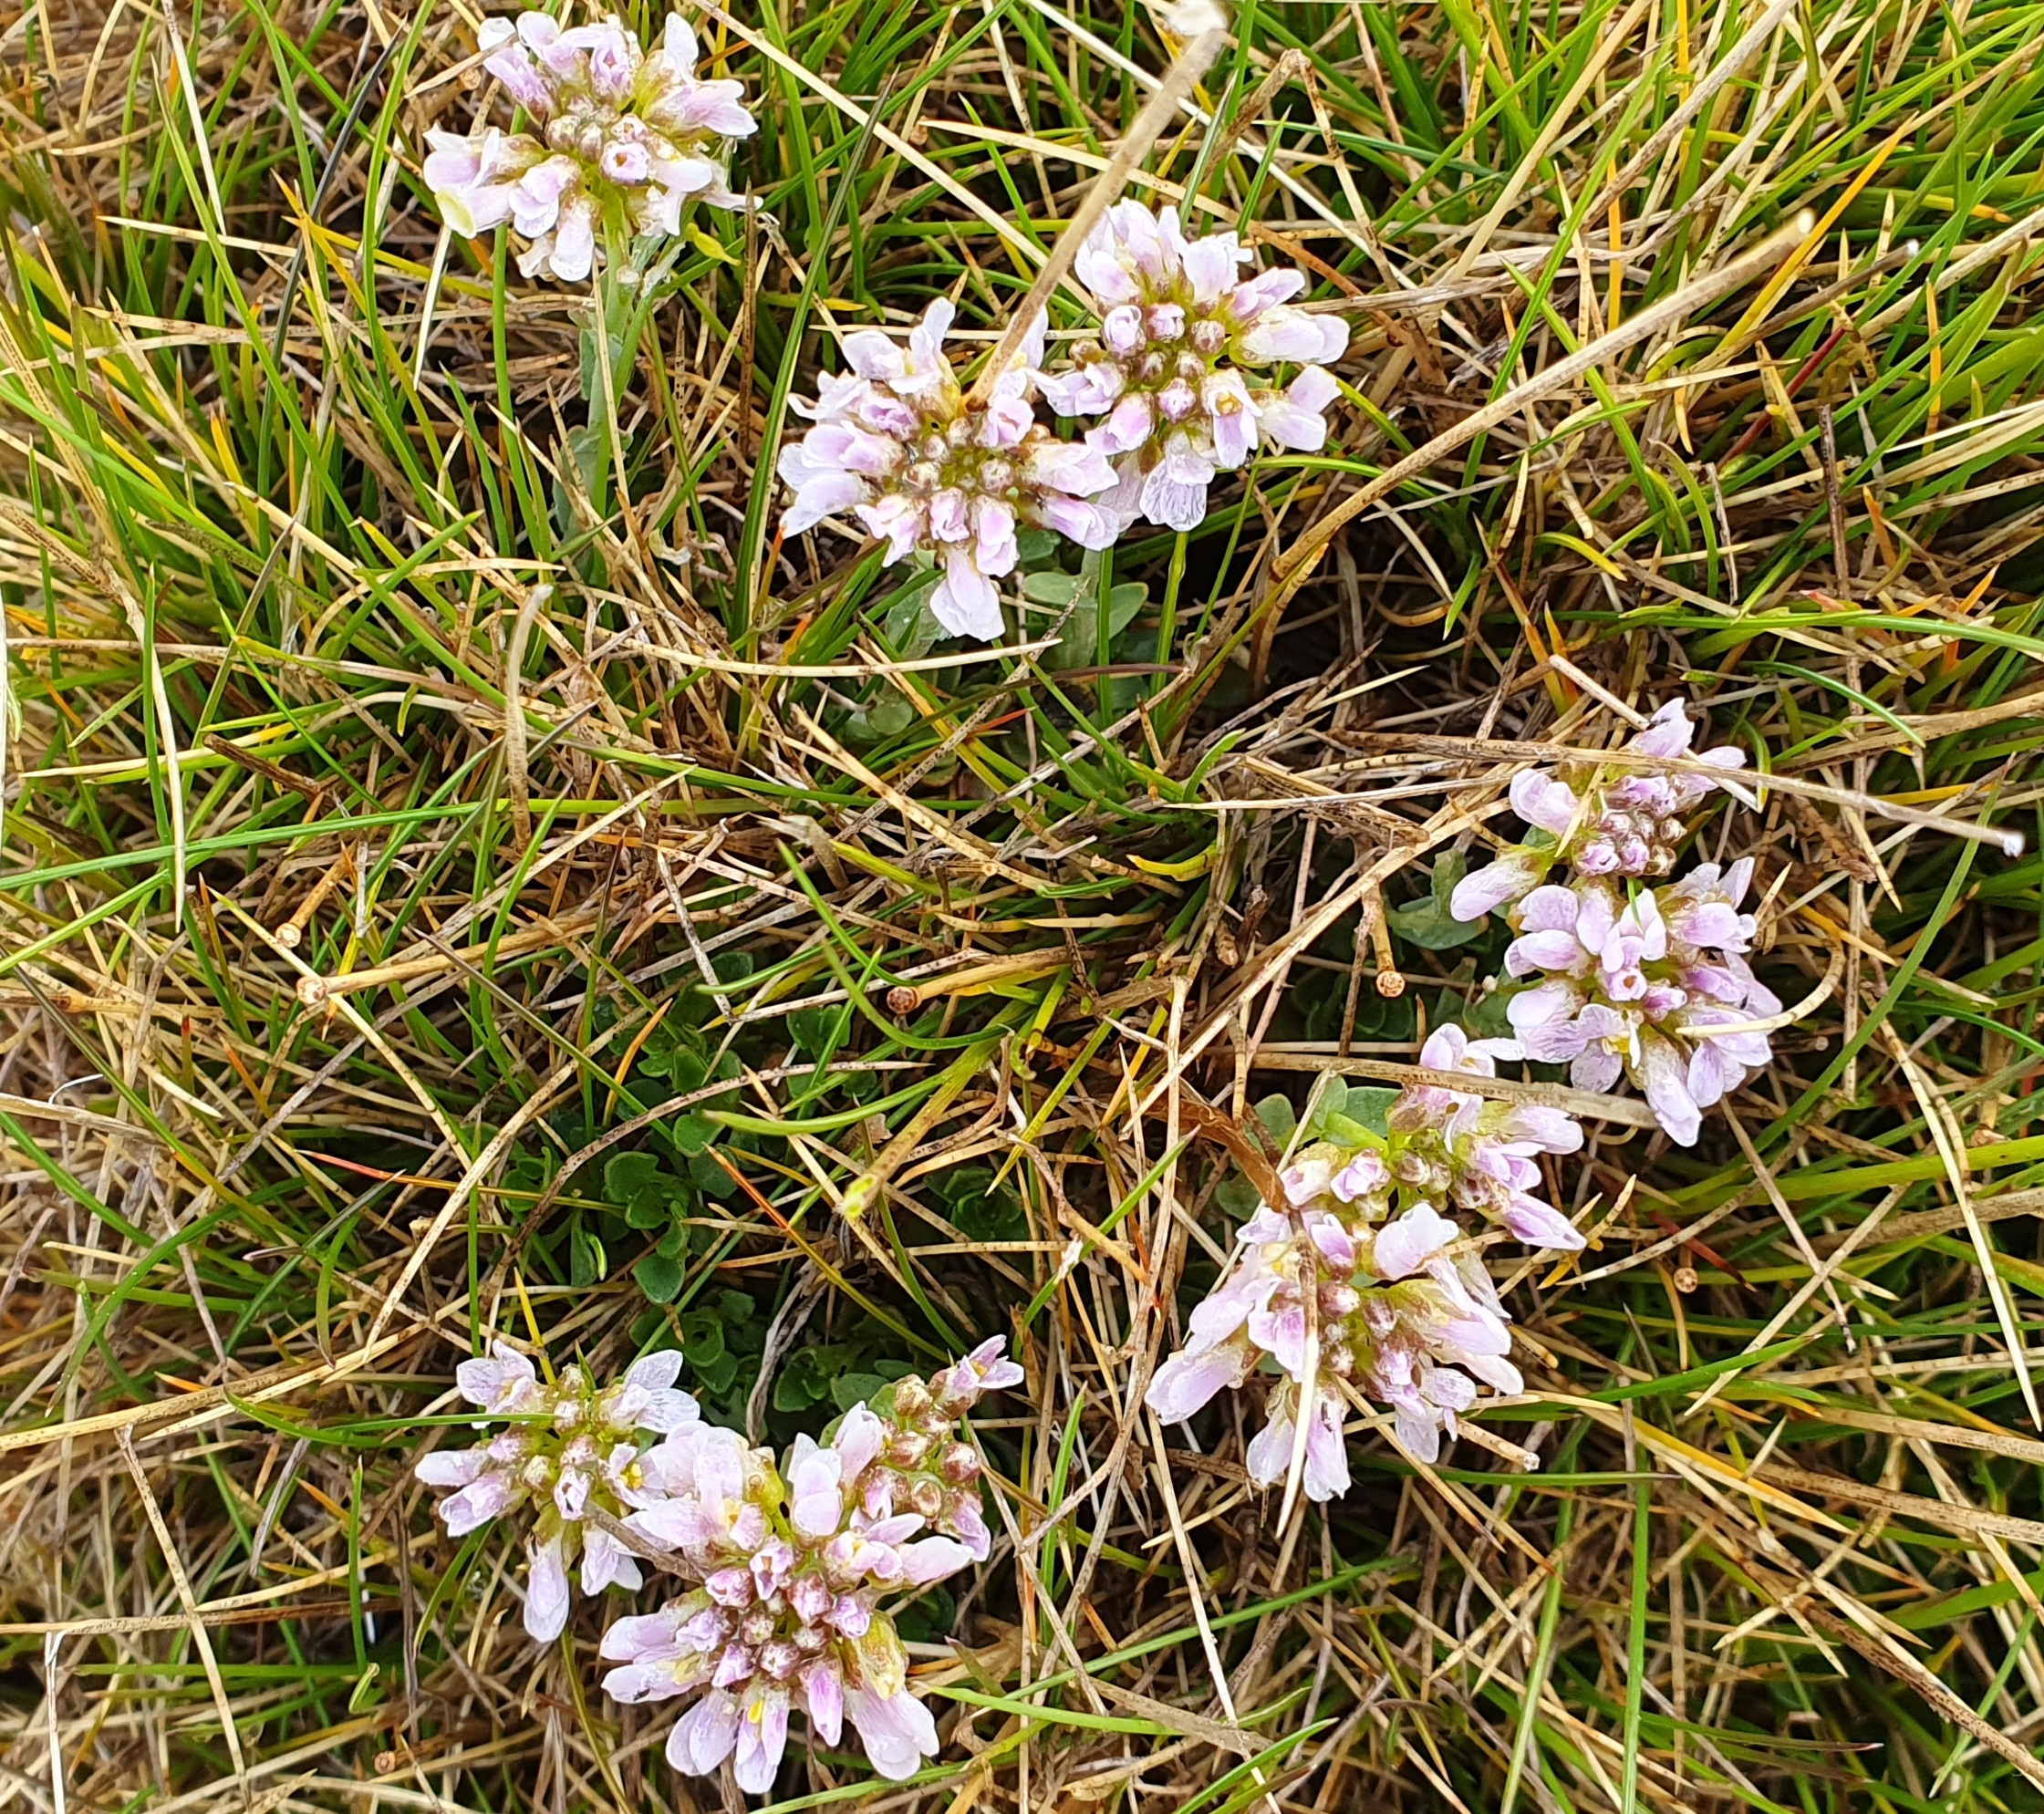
point(1361, 1285)
point(897, 441)
point(1654, 988)
point(1600, 820)
point(1175, 372)
point(1174, 367)
point(789, 1562)
point(1649, 984)
point(570, 1447)
point(623, 136)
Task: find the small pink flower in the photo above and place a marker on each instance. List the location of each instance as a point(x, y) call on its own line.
point(1641, 987)
point(547, 1592)
point(1172, 370)
point(1404, 1247)
point(1604, 821)
point(895, 1728)
point(574, 1447)
point(897, 444)
point(619, 130)
point(1268, 1458)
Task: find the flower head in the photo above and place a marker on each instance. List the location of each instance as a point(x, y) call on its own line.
point(574, 1446)
point(1175, 368)
point(1363, 1283)
point(623, 137)
point(1654, 988)
point(897, 441)
point(1603, 821)
point(793, 1563)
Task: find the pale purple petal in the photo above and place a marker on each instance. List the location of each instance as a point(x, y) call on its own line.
point(897, 1730)
point(547, 1593)
point(1666, 1087)
point(451, 1466)
point(1402, 1247)
point(965, 601)
point(1484, 890)
point(488, 1497)
point(1184, 1383)
point(1539, 1225)
point(705, 1736)
point(762, 1737)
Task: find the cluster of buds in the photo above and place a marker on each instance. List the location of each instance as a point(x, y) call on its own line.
point(1174, 369)
point(622, 138)
point(1174, 366)
point(1600, 820)
point(790, 1563)
point(896, 440)
point(1361, 1285)
point(571, 1448)
point(1624, 979)
point(903, 1453)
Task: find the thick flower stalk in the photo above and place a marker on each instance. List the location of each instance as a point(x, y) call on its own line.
point(572, 1447)
point(1600, 820)
point(793, 1563)
point(898, 443)
point(1653, 986)
point(622, 137)
point(1359, 1283)
point(1177, 368)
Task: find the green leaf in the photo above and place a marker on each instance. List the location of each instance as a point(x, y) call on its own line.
point(911, 624)
point(1279, 1117)
point(1369, 1105)
point(691, 1134)
point(1236, 1196)
point(711, 1178)
point(849, 1389)
point(1052, 588)
point(1427, 923)
point(819, 1029)
point(627, 1174)
point(1327, 1103)
point(649, 1209)
point(660, 1275)
point(587, 1262)
point(702, 1339)
point(1080, 645)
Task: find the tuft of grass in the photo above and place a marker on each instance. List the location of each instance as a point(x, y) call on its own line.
point(600, 821)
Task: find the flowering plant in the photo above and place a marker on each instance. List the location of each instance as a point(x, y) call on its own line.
point(788, 1563)
point(1176, 367)
point(1359, 1284)
point(896, 440)
point(1601, 821)
point(571, 1448)
point(792, 1561)
point(623, 136)
point(1654, 986)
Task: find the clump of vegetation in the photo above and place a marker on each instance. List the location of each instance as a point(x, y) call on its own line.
point(705, 710)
